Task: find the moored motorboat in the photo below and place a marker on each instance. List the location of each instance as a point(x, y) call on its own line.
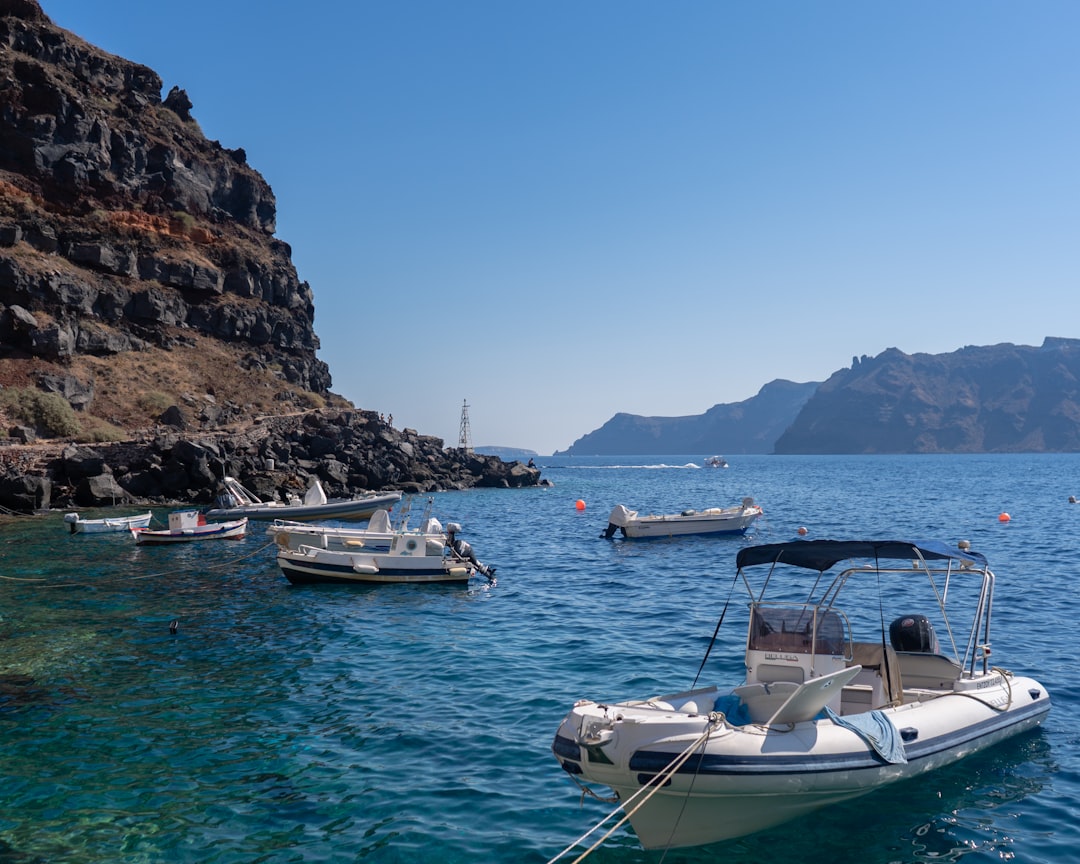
point(186, 526)
point(235, 500)
point(411, 557)
point(820, 716)
point(714, 520)
point(77, 525)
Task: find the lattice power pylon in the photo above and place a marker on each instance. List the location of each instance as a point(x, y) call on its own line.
point(464, 433)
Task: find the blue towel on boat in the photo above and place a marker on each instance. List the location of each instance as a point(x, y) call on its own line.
point(877, 730)
point(733, 708)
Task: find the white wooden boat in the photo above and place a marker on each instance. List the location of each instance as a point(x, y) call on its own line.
point(715, 520)
point(77, 525)
point(821, 716)
point(186, 526)
point(236, 500)
point(410, 557)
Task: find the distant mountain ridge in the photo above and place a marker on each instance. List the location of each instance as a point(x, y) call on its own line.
point(993, 399)
point(750, 426)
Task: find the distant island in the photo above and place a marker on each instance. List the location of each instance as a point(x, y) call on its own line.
point(507, 454)
point(992, 399)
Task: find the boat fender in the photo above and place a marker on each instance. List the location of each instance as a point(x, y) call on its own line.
point(282, 539)
point(368, 569)
point(458, 572)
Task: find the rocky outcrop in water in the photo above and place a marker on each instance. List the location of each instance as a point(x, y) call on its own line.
point(348, 451)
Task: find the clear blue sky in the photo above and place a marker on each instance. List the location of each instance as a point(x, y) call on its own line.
point(563, 210)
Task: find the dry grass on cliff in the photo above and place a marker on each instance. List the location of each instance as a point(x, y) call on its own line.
point(131, 390)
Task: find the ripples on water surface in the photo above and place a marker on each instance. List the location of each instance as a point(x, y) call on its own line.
point(408, 723)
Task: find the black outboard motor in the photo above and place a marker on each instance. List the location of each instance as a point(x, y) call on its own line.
point(913, 633)
point(463, 551)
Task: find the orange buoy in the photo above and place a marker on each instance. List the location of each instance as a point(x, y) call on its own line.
point(1004, 517)
point(802, 531)
point(580, 504)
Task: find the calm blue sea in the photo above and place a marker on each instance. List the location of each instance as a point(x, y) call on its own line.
point(409, 723)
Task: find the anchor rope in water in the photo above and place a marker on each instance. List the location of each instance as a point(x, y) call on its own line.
point(656, 783)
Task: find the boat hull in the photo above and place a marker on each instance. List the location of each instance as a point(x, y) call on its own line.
point(106, 526)
point(743, 779)
point(212, 531)
point(645, 527)
point(351, 510)
point(308, 566)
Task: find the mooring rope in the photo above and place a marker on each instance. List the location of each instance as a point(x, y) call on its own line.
point(656, 784)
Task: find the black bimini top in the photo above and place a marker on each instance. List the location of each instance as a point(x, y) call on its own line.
point(820, 555)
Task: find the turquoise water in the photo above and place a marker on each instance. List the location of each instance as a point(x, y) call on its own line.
point(414, 723)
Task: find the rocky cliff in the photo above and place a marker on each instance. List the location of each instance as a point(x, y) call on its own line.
point(993, 399)
point(144, 300)
point(127, 236)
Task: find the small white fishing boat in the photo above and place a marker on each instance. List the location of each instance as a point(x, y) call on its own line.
point(236, 500)
point(411, 557)
point(77, 525)
point(821, 717)
point(716, 462)
point(715, 520)
point(188, 525)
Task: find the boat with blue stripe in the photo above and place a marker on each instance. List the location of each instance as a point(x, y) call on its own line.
point(834, 705)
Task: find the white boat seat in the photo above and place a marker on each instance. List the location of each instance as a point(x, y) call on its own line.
point(928, 671)
point(880, 672)
point(762, 700)
point(812, 696)
point(380, 522)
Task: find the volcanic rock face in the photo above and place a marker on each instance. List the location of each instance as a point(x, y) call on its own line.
point(990, 399)
point(141, 287)
point(121, 225)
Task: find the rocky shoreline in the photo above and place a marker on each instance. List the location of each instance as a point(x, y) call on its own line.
point(349, 451)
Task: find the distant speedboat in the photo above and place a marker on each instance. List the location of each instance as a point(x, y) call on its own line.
point(715, 520)
point(78, 525)
point(186, 526)
point(716, 462)
point(819, 717)
point(236, 500)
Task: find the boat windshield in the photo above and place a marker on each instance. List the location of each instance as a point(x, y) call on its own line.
point(797, 628)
